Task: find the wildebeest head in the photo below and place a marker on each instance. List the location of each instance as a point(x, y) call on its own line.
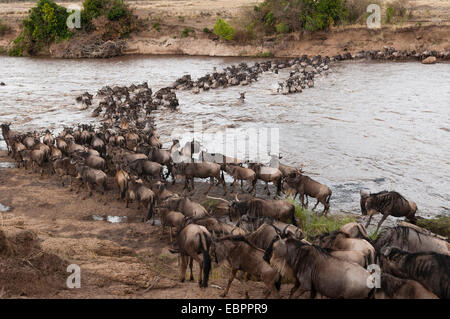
point(364, 196)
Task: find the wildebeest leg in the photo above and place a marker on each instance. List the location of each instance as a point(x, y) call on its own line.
point(232, 276)
point(294, 289)
point(317, 203)
point(267, 187)
point(184, 263)
point(191, 261)
point(371, 213)
point(232, 184)
point(385, 215)
point(211, 184)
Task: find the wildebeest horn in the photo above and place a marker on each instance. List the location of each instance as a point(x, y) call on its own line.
point(217, 198)
point(363, 193)
point(386, 251)
point(236, 196)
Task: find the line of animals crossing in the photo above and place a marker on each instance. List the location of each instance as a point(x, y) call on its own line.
point(126, 148)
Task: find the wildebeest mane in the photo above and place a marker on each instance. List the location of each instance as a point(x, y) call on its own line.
point(237, 238)
point(330, 237)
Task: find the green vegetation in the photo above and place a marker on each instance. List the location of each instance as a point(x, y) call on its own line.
point(267, 54)
point(206, 30)
point(314, 224)
point(156, 26)
point(439, 225)
point(223, 30)
point(186, 31)
point(389, 14)
point(181, 18)
point(45, 24)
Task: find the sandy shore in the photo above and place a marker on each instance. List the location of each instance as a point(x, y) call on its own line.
point(173, 16)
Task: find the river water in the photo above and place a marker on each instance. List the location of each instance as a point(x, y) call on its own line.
point(364, 125)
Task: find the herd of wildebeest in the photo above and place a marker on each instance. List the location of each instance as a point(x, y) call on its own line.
point(259, 237)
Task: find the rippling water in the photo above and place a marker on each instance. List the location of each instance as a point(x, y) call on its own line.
point(365, 125)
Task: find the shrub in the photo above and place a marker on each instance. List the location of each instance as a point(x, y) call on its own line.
point(186, 31)
point(118, 10)
point(223, 30)
point(45, 24)
point(206, 30)
point(402, 8)
point(156, 26)
point(282, 28)
point(389, 14)
point(294, 15)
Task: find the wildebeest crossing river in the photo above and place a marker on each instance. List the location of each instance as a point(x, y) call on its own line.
point(364, 125)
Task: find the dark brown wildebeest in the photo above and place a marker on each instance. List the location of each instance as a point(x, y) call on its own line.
point(186, 206)
point(162, 193)
point(313, 269)
point(65, 167)
point(412, 239)
point(242, 174)
point(91, 177)
point(92, 161)
point(8, 136)
point(267, 174)
point(170, 218)
point(194, 240)
point(213, 225)
point(397, 288)
point(387, 203)
point(241, 255)
point(200, 170)
point(338, 240)
point(304, 185)
point(430, 269)
point(162, 157)
point(61, 144)
point(270, 229)
point(144, 167)
point(144, 196)
point(257, 207)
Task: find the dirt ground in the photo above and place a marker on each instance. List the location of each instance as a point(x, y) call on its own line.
point(117, 260)
point(174, 16)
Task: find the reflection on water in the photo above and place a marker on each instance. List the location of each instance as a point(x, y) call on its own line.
point(364, 125)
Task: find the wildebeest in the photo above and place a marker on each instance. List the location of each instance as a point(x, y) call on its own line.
point(338, 240)
point(387, 203)
point(162, 193)
point(48, 138)
point(144, 196)
point(122, 178)
point(216, 226)
point(162, 157)
point(7, 136)
point(92, 161)
point(397, 288)
point(231, 249)
point(186, 206)
point(193, 240)
point(170, 218)
point(268, 174)
point(242, 174)
point(91, 177)
point(411, 239)
point(430, 269)
point(200, 170)
point(354, 230)
point(304, 185)
point(144, 167)
point(257, 207)
point(315, 270)
point(263, 236)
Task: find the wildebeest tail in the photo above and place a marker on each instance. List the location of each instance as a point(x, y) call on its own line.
point(328, 198)
point(205, 243)
point(150, 209)
point(278, 282)
point(279, 188)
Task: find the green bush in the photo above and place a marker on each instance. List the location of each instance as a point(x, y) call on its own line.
point(389, 14)
point(45, 24)
point(295, 15)
point(282, 28)
point(223, 30)
point(118, 10)
point(186, 31)
point(206, 30)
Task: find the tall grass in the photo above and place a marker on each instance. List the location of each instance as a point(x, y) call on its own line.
point(314, 224)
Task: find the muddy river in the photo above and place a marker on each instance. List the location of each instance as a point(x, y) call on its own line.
point(364, 125)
